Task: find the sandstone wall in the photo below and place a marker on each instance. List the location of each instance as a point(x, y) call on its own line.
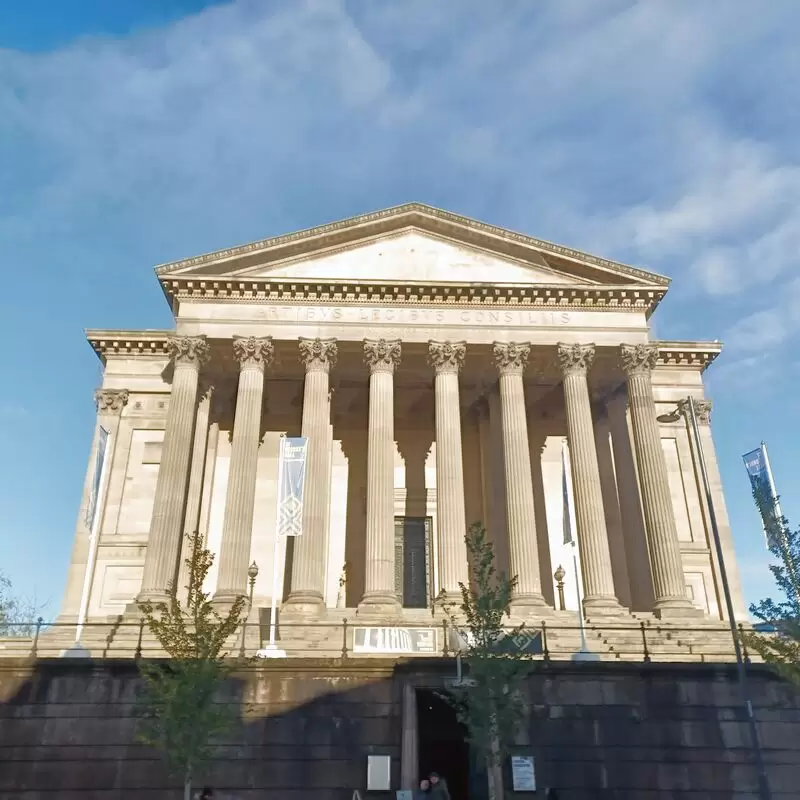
point(67, 731)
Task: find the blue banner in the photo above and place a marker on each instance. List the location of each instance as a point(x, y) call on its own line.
point(94, 492)
point(757, 465)
point(566, 505)
point(291, 483)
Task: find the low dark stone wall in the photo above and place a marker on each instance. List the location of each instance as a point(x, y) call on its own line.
point(68, 731)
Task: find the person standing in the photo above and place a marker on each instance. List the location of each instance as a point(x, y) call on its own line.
point(438, 790)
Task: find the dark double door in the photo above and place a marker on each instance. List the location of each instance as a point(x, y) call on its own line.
point(413, 577)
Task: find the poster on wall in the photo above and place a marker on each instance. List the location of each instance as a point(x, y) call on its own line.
point(523, 775)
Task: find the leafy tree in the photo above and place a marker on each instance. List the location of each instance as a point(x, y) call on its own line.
point(488, 703)
point(781, 649)
point(17, 614)
point(181, 717)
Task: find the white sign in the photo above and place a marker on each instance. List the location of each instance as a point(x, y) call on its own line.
point(523, 775)
point(394, 640)
point(379, 773)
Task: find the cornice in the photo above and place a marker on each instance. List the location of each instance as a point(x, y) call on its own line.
point(280, 290)
point(131, 343)
point(422, 213)
point(687, 354)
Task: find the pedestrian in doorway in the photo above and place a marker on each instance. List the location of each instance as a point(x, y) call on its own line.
point(424, 790)
point(439, 790)
point(207, 793)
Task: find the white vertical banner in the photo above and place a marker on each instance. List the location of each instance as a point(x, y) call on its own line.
point(570, 528)
point(291, 485)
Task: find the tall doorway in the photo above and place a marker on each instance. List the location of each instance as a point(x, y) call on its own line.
point(412, 561)
point(442, 744)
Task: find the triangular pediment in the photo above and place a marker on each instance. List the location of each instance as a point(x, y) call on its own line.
point(412, 243)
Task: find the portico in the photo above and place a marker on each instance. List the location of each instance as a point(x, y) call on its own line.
point(435, 365)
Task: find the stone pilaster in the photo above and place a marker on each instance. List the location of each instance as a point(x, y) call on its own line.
point(308, 568)
point(254, 356)
point(382, 357)
point(188, 353)
point(447, 358)
point(109, 404)
point(598, 578)
point(511, 359)
point(669, 583)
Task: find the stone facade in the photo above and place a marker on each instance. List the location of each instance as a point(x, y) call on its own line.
point(437, 365)
point(621, 731)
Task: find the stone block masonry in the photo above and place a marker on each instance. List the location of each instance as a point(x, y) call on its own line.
point(621, 731)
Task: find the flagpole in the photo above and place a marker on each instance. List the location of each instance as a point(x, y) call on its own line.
point(271, 650)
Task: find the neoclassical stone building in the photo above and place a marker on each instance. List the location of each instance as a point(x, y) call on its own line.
point(437, 365)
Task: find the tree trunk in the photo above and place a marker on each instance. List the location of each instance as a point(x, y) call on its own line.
point(494, 771)
point(187, 782)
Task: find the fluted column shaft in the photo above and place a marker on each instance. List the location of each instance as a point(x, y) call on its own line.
point(308, 567)
point(166, 529)
point(382, 357)
point(511, 359)
point(254, 356)
point(669, 583)
point(590, 519)
point(447, 358)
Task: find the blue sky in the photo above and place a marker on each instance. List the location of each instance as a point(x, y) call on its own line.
point(662, 133)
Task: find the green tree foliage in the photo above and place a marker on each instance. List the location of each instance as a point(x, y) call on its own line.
point(17, 614)
point(488, 703)
point(781, 649)
point(181, 715)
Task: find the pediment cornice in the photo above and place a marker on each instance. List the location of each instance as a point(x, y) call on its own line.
point(418, 216)
point(280, 290)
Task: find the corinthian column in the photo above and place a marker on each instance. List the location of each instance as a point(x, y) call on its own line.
point(669, 583)
point(446, 358)
point(308, 568)
point(523, 559)
point(254, 356)
point(188, 353)
point(598, 579)
point(382, 357)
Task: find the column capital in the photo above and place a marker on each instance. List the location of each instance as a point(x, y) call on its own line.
point(251, 351)
point(638, 358)
point(189, 350)
point(110, 401)
point(575, 359)
point(702, 409)
point(511, 357)
point(446, 356)
point(382, 355)
point(318, 355)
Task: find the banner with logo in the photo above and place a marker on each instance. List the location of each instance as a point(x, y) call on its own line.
point(94, 491)
point(567, 500)
point(291, 483)
point(756, 463)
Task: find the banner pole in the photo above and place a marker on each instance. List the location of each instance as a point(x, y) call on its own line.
point(271, 650)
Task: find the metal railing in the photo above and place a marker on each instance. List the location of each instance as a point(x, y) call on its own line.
point(642, 641)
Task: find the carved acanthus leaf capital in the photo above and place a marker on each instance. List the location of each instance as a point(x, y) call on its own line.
point(318, 354)
point(446, 356)
point(382, 355)
point(575, 359)
point(511, 357)
point(638, 359)
point(191, 350)
point(110, 401)
point(251, 351)
point(702, 409)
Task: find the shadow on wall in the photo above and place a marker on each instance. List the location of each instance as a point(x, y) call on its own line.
point(621, 731)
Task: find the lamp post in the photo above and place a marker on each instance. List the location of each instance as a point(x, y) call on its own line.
point(687, 408)
point(252, 574)
point(559, 575)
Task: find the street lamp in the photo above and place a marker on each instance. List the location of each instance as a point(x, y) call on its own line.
point(687, 408)
point(252, 574)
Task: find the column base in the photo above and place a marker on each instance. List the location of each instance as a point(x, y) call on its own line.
point(303, 605)
point(526, 604)
point(602, 607)
point(676, 609)
point(154, 598)
point(379, 605)
point(223, 602)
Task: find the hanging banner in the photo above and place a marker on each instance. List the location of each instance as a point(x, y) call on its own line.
point(568, 506)
point(756, 463)
point(291, 483)
point(94, 492)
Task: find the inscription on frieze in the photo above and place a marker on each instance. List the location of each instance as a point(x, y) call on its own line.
point(415, 316)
